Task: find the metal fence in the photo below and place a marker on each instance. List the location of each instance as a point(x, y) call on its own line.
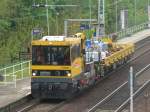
point(132, 30)
point(10, 74)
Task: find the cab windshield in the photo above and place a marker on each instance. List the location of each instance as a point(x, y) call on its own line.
point(51, 55)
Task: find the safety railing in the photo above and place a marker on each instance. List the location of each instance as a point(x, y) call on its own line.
point(132, 30)
point(10, 74)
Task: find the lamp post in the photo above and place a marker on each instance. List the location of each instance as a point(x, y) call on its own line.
point(57, 22)
point(101, 18)
point(148, 13)
point(47, 15)
point(148, 9)
point(131, 89)
point(90, 11)
point(135, 3)
point(116, 17)
point(146, 95)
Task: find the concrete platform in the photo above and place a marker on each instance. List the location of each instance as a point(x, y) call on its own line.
point(136, 37)
point(9, 94)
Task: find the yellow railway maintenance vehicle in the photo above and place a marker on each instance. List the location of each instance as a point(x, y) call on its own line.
point(62, 66)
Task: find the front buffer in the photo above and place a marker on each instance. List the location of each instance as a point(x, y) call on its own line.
point(50, 88)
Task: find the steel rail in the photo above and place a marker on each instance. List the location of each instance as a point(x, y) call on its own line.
point(116, 90)
point(121, 107)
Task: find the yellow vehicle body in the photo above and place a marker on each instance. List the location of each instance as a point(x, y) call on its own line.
point(76, 65)
point(126, 50)
point(59, 79)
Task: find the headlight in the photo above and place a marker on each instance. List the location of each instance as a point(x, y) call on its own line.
point(69, 74)
point(34, 74)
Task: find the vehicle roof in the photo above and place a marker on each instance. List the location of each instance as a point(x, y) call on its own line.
point(56, 41)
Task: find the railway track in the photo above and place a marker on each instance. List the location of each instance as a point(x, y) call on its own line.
point(142, 101)
point(142, 43)
point(46, 106)
point(121, 95)
point(83, 102)
point(34, 105)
